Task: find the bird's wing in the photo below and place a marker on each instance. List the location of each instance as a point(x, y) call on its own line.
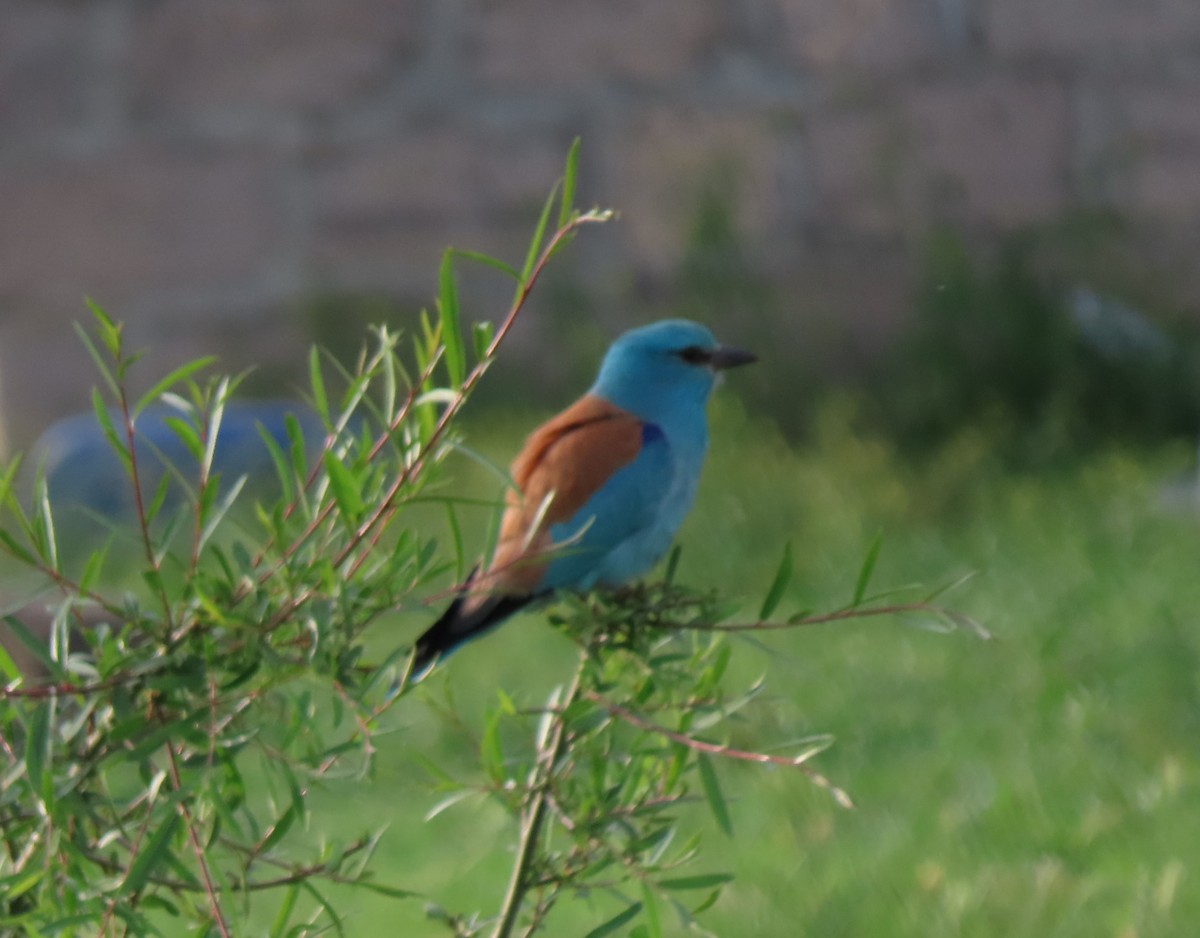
point(592, 477)
point(588, 482)
point(594, 470)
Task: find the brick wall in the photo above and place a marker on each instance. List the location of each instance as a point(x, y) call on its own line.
point(202, 167)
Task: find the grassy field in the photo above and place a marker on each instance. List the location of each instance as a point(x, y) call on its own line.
point(1042, 783)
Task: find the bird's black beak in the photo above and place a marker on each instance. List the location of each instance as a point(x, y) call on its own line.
point(727, 357)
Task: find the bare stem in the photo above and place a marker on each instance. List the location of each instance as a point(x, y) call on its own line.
point(533, 813)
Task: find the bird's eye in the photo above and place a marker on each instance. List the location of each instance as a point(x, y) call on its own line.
point(695, 355)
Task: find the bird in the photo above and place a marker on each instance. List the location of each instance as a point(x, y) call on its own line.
point(599, 490)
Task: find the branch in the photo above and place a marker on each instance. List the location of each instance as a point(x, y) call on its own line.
point(727, 752)
point(534, 812)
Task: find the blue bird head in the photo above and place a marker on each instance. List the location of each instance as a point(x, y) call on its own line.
point(664, 372)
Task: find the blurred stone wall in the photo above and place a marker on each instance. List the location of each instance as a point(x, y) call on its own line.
point(201, 166)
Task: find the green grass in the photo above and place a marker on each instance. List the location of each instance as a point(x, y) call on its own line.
point(1043, 783)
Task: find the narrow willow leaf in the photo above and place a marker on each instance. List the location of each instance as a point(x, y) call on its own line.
point(159, 499)
point(216, 416)
point(283, 471)
point(702, 881)
point(539, 235)
point(278, 830)
point(36, 646)
point(650, 908)
point(448, 802)
point(481, 335)
point(334, 919)
point(152, 853)
point(868, 567)
point(280, 923)
point(489, 748)
point(180, 374)
point(98, 360)
point(37, 749)
point(783, 576)
point(450, 328)
point(566, 206)
point(712, 792)
point(488, 261)
point(320, 399)
point(187, 435)
point(616, 923)
point(344, 487)
point(392, 892)
point(672, 563)
point(8, 666)
point(110, 432)
point(217, 514)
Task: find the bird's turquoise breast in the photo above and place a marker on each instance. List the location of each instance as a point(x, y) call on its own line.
point(629, 524)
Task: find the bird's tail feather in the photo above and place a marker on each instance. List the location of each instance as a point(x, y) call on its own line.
point(460, 623)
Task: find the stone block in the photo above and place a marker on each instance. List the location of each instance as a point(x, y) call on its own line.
point(662, 161)
point(545, 44)
point(133, 220)
point(992, 151)
point(385, 211)
point(237, 54)
point(875, 35)
point(855, 169)
point(45, 67)
point(1107, 32)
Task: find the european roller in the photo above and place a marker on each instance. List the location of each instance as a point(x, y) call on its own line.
point(600, 490)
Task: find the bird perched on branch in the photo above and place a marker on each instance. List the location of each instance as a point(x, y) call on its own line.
point(601, 489)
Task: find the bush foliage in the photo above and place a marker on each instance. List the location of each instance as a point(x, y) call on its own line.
point(158, 769)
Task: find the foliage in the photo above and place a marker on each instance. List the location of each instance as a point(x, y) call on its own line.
point(1050, 368)
point(160, 774)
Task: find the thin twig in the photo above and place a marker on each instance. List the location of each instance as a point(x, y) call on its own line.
point(533, 814)
point(726, 752)
point(210, 889)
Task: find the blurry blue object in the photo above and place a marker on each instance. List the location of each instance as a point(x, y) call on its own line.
point(1117, 331)
point(82, 471)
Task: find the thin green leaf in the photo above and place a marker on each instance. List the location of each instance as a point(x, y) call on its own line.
point(37, 748)
point(278, 830)
point(703, 881)
point(16, 550)
point(617, 922)
point(152, 852)
point(282, 470)
point(539, 235)
point(392, 892)
point(450, 327)
point(99, 360)
point(868, 567)
point(489, 748)
point(110, 433)
point(159, 499)
point(712, 792)
point(187, 436)
point(566, 206)
point(283, 916)
point(179, 375)
point(35, 645)
point(783, 576)
point(334, 919)
point(672, 563)
point(8, 666)
point(344, 487)
point(320, 399)
point(481, 335)
point(488, 261)
point(650, 908)
point(296, 445)
point(216, 515)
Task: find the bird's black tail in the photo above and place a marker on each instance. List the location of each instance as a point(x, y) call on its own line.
point(459, 624)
